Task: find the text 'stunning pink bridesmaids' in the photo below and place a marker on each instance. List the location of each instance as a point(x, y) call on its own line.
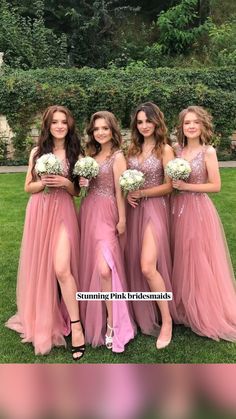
point(202, 279)
point(153, 212)
point(98, 218)
point(41, 317)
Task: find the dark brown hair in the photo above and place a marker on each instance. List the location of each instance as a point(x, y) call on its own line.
point(153, 114)
point(92, 146)
point(206, 121)
point(45, 141)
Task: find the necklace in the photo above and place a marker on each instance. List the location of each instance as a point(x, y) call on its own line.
point(148, 150)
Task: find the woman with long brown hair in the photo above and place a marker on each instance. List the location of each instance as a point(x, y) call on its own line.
point(148, 260)
point(203, 279)
point(102, 223)
point(50, 244)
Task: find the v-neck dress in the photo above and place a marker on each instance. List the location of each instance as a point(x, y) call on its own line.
point(202, 278)
point(99, 241)
point(153, 212)
point(42, 317)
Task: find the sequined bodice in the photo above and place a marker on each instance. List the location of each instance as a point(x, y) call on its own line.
point(198, 167)
point(152, 169)
point(65, 167)
point(104, 184)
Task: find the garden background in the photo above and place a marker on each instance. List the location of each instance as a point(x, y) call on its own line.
point(113, 55)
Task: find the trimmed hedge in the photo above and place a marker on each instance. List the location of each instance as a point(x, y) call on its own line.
point(24, 94)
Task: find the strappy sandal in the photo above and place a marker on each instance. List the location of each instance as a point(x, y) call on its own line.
point(109, 339)
point(77, 349)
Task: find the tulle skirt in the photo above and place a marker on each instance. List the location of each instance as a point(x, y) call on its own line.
point(153, 212)
point(99, 242)
point(41, 316)
point(202, 279)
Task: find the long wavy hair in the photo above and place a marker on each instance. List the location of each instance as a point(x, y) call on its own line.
point(153, 114)
point(206, 122)
point(46, 143)
point(92, 146)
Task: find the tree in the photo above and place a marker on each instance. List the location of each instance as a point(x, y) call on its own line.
point(26, 41)
point(180, 27)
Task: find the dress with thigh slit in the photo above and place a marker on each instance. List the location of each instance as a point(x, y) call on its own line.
point(99, 242)
point(153, 212)
point(42, 317)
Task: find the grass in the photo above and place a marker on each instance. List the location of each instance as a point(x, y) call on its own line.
point(186, 347)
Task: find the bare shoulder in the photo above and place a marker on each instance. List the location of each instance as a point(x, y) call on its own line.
point(210, 152)
point(119, 155)
point(119, 164)
point(175, 146)
point(33, 152)
point(168, 151)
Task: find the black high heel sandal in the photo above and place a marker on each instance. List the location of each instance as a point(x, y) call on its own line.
point(77, 349)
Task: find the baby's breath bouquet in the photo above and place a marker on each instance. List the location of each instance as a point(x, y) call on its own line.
point(86, 167)
point(131, 180)
point(178, 169)
point(48, 164)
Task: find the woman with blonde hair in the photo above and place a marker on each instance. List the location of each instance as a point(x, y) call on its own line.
point(148, 260)
point(203, 280)
point(102, 223)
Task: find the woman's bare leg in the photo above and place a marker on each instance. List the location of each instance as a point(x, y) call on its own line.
point(155, 281)
point(106, 285)
point(67, 284)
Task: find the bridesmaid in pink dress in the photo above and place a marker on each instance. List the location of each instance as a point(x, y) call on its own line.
point(148, 260)
point(102, 227)
point(203, 279)
point(50, 244)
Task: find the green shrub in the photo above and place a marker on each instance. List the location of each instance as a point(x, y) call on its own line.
point(25, 94)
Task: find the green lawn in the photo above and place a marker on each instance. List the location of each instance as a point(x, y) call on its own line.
point(186, 347)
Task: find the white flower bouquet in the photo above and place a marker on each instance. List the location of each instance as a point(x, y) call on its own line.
point(86, 167)
point(48, 164)
point(131, 180)
point(178, 169)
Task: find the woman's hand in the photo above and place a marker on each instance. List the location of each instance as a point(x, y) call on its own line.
point(180, 185)
point(83, 182)
point(132, 200)
point(133, 197)
point(54, 181)
point(120, 227)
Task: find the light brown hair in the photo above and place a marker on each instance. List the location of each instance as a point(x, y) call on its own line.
point(205, 119)
point(92, 146)
point(155, 115)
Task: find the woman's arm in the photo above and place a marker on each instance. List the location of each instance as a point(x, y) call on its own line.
point(32, 186)
point(119, 167)
point(160, 190)
point(52, 181)
point(214, 182)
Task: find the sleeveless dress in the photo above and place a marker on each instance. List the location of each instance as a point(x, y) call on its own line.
point(154, 212)
point(42, 317)
point(98, 217)
point(202, 278)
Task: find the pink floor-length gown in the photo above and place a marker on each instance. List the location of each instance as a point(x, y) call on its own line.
point(98, 217)
point(153, 212)
point(41, 316)
point(202, 278)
